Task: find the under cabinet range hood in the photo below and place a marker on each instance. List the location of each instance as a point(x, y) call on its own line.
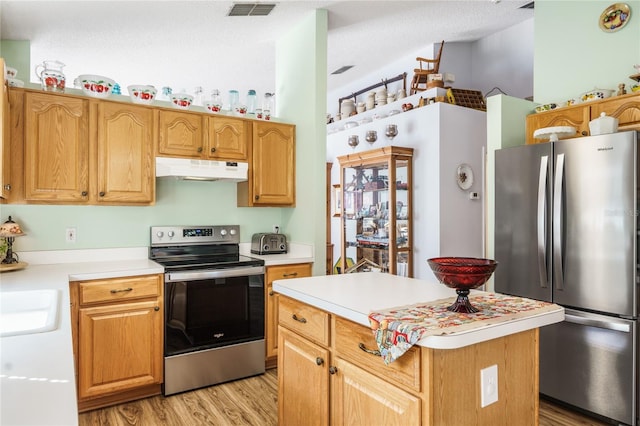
point(203, 170)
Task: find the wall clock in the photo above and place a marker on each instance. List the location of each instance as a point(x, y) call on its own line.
point(615, 17)
point(464, 176)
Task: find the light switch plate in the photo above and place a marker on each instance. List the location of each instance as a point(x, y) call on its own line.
point(488, 385)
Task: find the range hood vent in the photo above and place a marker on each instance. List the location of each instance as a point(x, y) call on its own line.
point(202, 170)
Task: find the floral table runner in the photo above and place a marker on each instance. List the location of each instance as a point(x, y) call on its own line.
point(397, 329)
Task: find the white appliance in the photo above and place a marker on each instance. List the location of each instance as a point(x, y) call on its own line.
point(204, 170)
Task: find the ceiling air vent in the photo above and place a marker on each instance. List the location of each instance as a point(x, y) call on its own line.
point(342, 69)
point(529, 5)
point(251, 9)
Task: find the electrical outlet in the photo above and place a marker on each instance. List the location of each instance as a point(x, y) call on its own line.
point(71, 235)
point(488, 385)
point(276, 229)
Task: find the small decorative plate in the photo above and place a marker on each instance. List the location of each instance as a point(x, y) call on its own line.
point(464, 176)
point(615, 17)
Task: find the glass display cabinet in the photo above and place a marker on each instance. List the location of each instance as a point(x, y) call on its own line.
point(376, 211)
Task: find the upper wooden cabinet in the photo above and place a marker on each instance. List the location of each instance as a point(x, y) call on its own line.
point(56, 148)
point(83, 152)
point(625, 108)
point(125, 146)
point(227, 138)
point(272, 173)
point(180, 134)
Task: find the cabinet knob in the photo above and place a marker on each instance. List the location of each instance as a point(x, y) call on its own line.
point(7, 187)
point(199, 149)
point(333, 369)
point(319, 361)
point(157, 308)
point(584, 133)
point(299, 319)
point(213, 150)
point(257, 197)
point(271, 293)
point(84, 193)
point(102, 193)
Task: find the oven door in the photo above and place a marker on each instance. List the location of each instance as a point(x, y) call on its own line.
point(213, 308)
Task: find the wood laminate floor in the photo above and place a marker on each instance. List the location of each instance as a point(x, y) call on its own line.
point(247, 402)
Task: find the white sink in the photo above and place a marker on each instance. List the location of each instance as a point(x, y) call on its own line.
point(27, 312)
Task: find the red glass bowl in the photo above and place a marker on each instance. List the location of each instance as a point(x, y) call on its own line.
point(463, 274)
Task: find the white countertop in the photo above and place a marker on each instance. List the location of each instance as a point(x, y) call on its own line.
point(37, 377)
point(354, 296)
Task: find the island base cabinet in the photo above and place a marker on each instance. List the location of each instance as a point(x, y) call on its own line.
point(360, 398)
point(303, 392)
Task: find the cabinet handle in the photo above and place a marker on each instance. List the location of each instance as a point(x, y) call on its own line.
point(84, 193)
point(271, 293)
point(213, 150)
point(299, 319)
point(200, 149)
point(333, 369)
point(121, 290)
point(584, 133)
point(369, 351)
point(294, 274)
point(7, 187)
point(319, 361)
point(157, 308)
point(101, 193)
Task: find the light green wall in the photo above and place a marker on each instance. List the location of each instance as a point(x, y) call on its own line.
point(17, 54)
point(572, 55)
point(301, 87)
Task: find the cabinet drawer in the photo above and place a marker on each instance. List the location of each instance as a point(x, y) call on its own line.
point(352, 341)
point(117, 289)
point(283, 272)
point(306, 320)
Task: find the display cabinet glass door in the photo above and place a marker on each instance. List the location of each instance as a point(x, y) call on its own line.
point(376, 216)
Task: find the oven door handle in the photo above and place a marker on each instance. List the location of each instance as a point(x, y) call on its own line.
point(208, 274)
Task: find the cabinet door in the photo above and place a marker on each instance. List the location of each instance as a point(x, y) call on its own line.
point(227, 138)
point(120, 347)
point(577, 116)
point(5, 142)
point(625, 108)
point(280, 272)
point(273, 177)
point(303, 382)
point(359, 397)
point(180, 134)
point(126, 169)
point(56, 148)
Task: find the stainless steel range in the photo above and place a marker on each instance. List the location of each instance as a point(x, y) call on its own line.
point(214, 306)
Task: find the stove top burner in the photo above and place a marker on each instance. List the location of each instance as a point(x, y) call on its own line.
point(208, 262)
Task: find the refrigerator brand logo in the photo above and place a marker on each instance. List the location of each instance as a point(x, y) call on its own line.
point(605, 148)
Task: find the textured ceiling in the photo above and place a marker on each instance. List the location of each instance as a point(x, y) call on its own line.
point(193, 43)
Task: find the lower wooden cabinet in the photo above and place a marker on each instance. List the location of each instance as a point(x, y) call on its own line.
point(278, 272)
point(117, 329)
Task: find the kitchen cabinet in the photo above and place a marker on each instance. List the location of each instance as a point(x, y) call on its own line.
point(117, 327)
point(5, 141)
point(80, 151)
point(125, 146)
point(180, 134)
point(277, 272)
point(330, 373)
point(376, 209)
point(227, 138)
point(626, 108)
point(272, 170)
point(56, 148)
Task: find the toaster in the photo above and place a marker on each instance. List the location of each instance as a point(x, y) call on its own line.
point(268, 243)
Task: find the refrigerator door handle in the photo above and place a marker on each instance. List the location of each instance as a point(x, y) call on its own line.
point(592, 322)
point(557, 222)
point(541, 220)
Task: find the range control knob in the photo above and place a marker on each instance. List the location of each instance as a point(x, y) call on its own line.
point(160, 234)
point(232, 231)
point(171, 234)
point(223, 232)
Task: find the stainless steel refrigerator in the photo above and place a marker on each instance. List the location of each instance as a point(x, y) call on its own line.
point(566, 231)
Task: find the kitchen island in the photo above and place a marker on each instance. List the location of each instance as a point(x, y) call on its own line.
point(330, 370)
